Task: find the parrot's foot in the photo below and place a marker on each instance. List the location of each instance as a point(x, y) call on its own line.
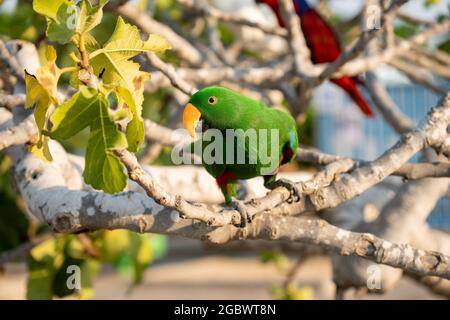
point(291, 186)
point(240, 207)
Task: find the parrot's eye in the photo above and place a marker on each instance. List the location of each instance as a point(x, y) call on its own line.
point(212, 100)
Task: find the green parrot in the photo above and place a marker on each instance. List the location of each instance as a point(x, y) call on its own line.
point(249, 139)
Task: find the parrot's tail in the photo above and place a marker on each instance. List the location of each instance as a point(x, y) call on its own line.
point(349, 85)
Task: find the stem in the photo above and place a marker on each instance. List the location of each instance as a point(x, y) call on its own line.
point(68, 69)
point(83, 52)
point(73, 56)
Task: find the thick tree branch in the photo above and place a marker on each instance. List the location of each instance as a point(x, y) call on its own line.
point(319, 232)
point(11, 63)
point(10, 101)
point(65, 210)
point(24, 133)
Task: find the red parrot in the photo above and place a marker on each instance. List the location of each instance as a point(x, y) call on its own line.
point(323, 44)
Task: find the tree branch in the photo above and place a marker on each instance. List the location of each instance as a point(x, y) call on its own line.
point(43, 188)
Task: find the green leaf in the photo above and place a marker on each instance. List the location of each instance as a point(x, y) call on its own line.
point(75, 114)
point(89, 268)
point(129, 252)
point(40, 279)
point(160, 245)
point(69, 21)
point(90, 16)
point(63, 27)
point(275, 257)
point(135, 132)
point(103, 170)
point(28, 30)
point(48, 8)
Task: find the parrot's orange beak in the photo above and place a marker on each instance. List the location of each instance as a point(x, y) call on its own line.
point(191, 116)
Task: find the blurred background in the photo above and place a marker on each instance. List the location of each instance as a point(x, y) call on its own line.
point(124, 265)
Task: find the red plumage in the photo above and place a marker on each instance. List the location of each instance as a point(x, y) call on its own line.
point(324, 46)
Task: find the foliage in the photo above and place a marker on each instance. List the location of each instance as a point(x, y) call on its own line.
point(445, 46)
point(109, 89)
point(107, 105)
point(29, 28)
point(405, 30)
point(306, 127)
point(288, 290)
point(51, 263)
point(13, 223)
point(129, 253)
point(293, 292)
point(431, 2)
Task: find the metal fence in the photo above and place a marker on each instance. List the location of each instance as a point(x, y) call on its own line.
point(341, 129)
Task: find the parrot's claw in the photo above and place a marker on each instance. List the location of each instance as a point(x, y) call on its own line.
point(240, 207)
point(291, 186)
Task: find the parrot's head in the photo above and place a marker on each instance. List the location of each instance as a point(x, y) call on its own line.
point(215, 106)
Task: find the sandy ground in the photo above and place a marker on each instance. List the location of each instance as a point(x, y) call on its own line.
point(190, 272)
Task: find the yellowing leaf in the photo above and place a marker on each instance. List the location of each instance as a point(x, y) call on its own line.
point(115, 243)
point(86, 293)
point(50, 54)
point(145, 253)
point(157, 43)
point(38, 96)
point(125, 42)
point(41, 91)
point(41, 150)
point(35, 92)
point(114, 58)
point(48, 75)
point(88, 107)
point(113, 62)
point(46, 248)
